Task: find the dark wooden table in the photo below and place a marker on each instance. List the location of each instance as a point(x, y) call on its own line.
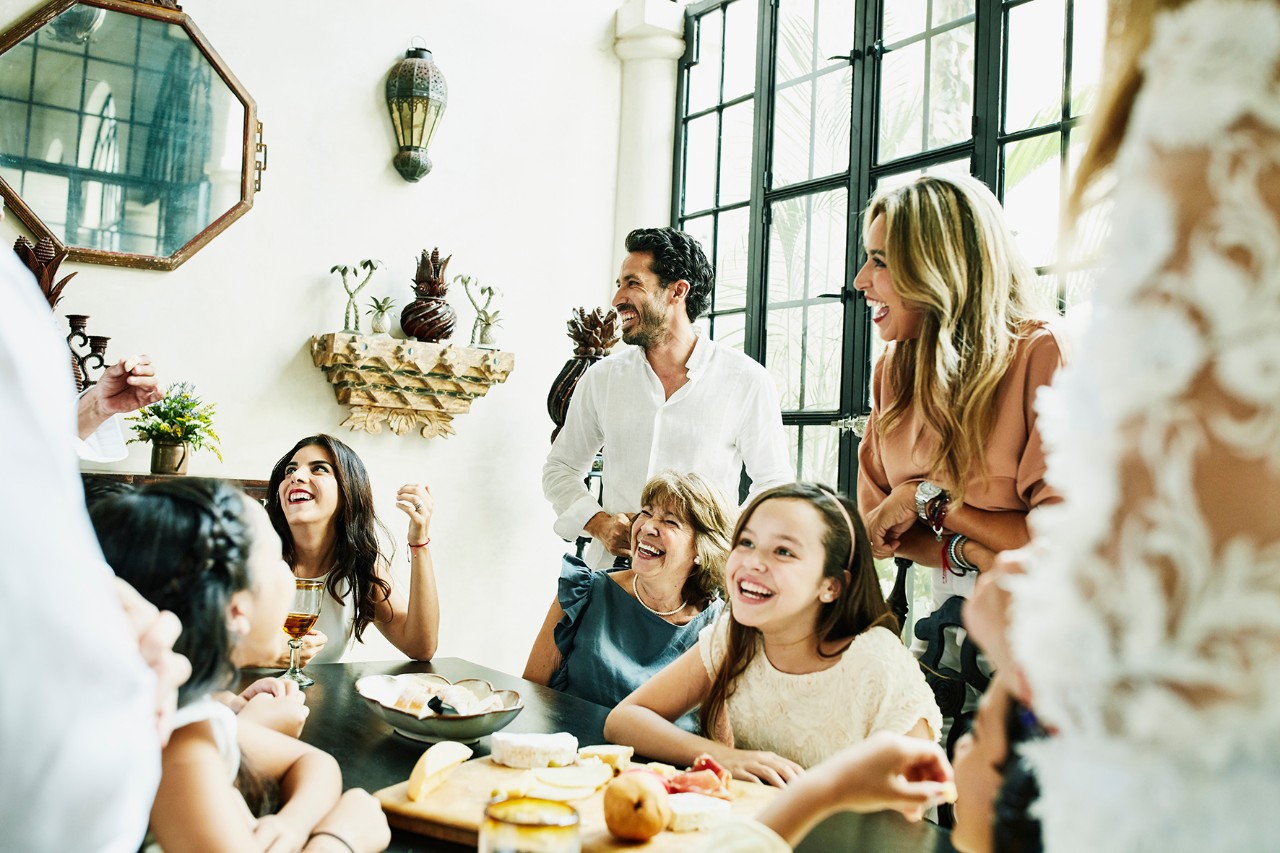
point(373, 756)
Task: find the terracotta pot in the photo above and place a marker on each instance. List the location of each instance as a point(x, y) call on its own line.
point(169, 457)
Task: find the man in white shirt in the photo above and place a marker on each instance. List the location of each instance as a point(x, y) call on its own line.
point(79, 740)
point(673, 400)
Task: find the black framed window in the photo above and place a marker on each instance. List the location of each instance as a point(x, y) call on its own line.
point(791, 112)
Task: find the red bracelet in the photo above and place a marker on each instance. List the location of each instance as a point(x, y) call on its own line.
point(421, 544)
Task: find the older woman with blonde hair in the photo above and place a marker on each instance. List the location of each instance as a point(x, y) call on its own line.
point(951, 461)
point(607, 632)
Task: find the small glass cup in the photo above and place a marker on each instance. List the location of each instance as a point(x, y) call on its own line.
point(529, 825)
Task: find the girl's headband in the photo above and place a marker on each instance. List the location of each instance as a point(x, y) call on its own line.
point(853, 536)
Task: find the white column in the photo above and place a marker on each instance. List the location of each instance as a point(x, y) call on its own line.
point(649, 42)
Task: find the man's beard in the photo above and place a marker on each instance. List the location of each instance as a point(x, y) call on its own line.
point(649, 329)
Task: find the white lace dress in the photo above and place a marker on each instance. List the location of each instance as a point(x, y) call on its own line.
point(876, 686)
point(1149, 624)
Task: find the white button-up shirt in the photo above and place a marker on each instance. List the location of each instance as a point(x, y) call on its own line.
point(726, 415)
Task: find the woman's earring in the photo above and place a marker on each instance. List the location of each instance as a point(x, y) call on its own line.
point(697, 561)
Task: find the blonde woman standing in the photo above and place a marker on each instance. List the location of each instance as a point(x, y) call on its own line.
point(951, 462)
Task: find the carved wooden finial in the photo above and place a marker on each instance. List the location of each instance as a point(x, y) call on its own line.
point(594, 333)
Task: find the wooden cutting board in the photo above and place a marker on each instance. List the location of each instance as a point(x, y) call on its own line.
point(453, 811)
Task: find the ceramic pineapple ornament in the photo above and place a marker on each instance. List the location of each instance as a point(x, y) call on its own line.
point(429, 317)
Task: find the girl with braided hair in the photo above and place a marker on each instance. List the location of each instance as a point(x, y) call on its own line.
point(205, 551)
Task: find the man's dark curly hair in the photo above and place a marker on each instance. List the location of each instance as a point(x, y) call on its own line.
point(677, 256)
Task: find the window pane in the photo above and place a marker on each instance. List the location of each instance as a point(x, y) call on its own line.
point(739, 49)
point(1088, 38)
point(1034, 74)
point(903, 19)
point(701, 228)
point(951, 87)
point(1032, 195)
point(811, 127)
point(815, 452)
point(835, 30)
point(806, 246)
point(735, 153)
point(796, 47)
point(804, 347)
point(700, 163)
point(730, 330)
point(946, 11)
point(902, 103)
point(731, 260)
point(704, 77)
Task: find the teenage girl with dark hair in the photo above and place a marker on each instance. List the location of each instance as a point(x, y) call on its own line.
point(206, 552)
point(806, 662)
point(321, 504)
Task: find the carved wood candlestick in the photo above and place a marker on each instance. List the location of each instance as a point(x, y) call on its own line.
point(593, 334)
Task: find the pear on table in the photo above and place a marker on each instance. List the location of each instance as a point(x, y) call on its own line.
point(434, 766)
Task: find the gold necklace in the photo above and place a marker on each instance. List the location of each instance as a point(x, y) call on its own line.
point(636, 592)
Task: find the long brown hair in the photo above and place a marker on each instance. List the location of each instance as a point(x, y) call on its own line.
point(358, 548)
point(858, 607)
point(704, 508)
point(953, 257)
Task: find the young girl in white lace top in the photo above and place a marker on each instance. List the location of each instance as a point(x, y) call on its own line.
point(803, 662)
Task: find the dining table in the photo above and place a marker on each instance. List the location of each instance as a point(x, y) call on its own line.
point(373, 755)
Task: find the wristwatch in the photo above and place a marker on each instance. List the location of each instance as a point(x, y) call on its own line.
point(927, 493)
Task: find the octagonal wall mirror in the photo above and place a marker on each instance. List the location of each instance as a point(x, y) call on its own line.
point(123, 136)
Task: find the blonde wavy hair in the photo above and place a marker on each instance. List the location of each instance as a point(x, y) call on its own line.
point(953, 258)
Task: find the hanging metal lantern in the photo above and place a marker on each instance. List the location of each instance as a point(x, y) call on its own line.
point(416, 97)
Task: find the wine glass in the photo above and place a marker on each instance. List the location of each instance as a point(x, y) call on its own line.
point(308, 595)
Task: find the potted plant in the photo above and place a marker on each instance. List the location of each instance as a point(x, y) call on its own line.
point(175, 426)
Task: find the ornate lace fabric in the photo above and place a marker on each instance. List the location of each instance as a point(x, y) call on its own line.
point(1149, 623)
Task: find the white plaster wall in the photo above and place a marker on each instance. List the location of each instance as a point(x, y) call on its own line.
point(522, 194)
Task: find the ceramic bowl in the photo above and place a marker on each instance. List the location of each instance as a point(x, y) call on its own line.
point(380, 691)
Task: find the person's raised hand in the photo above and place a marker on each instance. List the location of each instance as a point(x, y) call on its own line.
point(127, 386)
point(415, 501)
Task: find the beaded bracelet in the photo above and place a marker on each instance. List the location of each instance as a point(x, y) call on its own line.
point(955, 551)
point(936, 512)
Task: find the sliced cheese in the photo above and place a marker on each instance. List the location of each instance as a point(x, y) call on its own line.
point(563, 795)
point(695, 811)
point(518, 785)
point(526, 751)
point(617, 757)
point(587, 775)
point(666, 771)
point(434, 765)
